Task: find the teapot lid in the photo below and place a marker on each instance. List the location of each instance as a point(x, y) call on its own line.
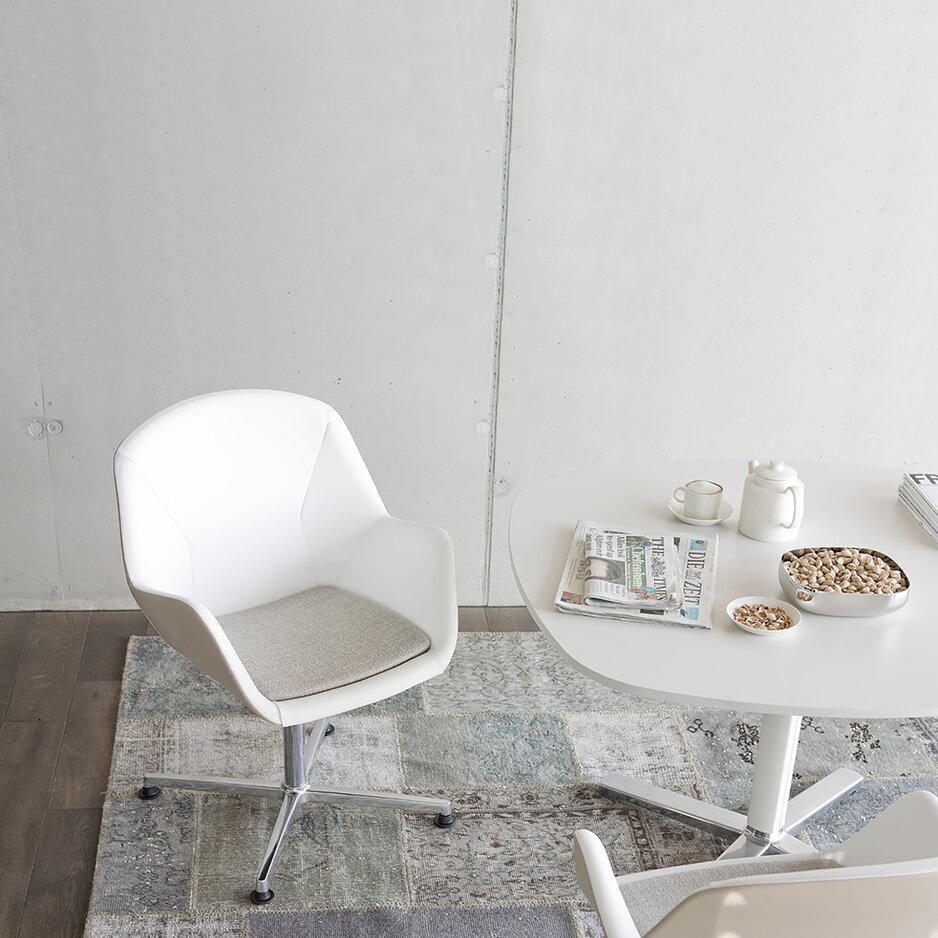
point(775, 471)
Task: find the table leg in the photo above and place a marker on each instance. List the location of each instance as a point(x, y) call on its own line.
point(819, 796)
point(700, 814)
point(771, 783)
point(772, 816)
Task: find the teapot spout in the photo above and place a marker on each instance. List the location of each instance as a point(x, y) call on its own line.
point(752, 464)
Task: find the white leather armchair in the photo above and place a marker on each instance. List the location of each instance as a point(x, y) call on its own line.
point(880, 883)
point(257, 545)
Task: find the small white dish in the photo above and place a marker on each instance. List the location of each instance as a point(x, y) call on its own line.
point(792, 611)
point(677, 509)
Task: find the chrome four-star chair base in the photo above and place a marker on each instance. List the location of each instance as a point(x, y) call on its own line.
point(298, 754)
point(772, 817)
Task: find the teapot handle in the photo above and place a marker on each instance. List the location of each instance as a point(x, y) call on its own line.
point(798, 495)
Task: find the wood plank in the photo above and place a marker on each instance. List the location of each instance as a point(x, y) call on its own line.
point(509, 619)
point(106, 644)
point(472, 619)
point(28, 753)
point(48, 667)
point(85, 757)
point(14, 627)
point(60, 885)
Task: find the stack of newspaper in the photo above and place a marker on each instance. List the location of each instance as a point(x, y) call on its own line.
point(641, 577)
point(918, 493)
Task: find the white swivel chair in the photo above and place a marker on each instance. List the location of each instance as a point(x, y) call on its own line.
point(256, 544)
point(881, 883)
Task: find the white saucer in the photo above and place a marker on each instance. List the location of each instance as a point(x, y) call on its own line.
point(677, 509)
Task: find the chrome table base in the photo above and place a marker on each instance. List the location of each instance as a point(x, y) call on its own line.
point(295, 791)
point(772, 817)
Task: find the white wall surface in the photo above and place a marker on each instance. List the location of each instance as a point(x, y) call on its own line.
point(735, 201)
point(225, 194)
point(721, 239)
point(28, 544)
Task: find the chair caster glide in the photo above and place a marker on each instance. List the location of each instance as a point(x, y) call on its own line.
point(262, 898)
point(148, 792)
point(445, 820)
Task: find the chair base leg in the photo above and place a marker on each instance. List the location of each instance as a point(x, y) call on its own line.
point(445, 820)
point(292, 800)
point(377, 799)
point(261, 788)
point(294, 791)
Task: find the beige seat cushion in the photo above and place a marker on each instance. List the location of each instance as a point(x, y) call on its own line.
point(318, 640)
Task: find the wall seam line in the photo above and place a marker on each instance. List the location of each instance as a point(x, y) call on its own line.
point(499, 301)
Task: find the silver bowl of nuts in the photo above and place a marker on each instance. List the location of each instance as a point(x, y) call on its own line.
point(763, 615)
point(843, 581)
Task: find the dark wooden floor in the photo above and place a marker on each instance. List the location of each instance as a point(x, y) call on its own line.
point(59, 684)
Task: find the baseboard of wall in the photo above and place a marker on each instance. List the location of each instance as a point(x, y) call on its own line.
point(69, 605)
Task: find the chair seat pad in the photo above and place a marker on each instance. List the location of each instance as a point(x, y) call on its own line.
point(650, 897)
point(318, 640)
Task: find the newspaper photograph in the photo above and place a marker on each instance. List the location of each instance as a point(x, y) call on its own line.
point(631, 570)
point(696, 571)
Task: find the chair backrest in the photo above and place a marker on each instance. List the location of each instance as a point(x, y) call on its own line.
point(883, 882)
point(239, 498)
point(900, 900)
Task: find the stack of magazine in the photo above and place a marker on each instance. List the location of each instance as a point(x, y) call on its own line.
point(621, 574)
point(918, 494)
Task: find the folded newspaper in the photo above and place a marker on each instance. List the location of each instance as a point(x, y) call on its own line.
point(645, 578)
point(918, 494)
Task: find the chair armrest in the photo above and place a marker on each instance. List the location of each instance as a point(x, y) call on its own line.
point(597, 880)
point(194, 631)
point(906, 830)
point(410, 568)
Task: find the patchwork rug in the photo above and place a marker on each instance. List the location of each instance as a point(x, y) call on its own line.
point(514, 736)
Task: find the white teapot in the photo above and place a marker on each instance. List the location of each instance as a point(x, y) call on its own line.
point(773, 502)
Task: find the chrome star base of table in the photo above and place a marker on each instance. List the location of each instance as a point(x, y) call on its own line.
point(772, 817)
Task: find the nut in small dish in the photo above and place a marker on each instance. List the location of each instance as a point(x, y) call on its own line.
point(763, 615)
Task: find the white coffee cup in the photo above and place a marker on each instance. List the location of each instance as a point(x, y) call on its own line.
point(701, 499)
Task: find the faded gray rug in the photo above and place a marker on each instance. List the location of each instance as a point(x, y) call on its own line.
point(510, 733)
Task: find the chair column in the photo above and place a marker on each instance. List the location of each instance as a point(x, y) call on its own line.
point(294, 756)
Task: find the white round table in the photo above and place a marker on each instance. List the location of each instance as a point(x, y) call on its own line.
point(828, 666)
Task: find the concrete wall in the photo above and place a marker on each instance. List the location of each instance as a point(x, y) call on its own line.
point(226, 194)
point(734, 202)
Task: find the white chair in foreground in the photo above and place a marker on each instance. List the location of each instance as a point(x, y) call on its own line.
point(256, 544)
point(881, 883)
